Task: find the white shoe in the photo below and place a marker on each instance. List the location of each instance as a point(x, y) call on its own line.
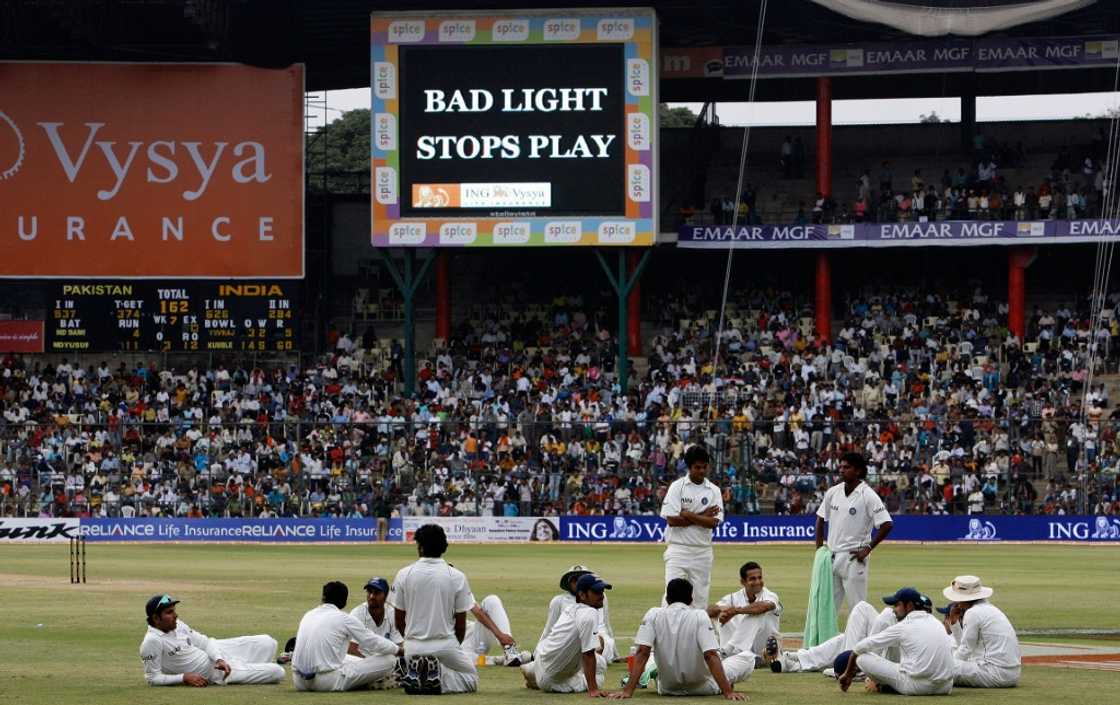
point(786, 662)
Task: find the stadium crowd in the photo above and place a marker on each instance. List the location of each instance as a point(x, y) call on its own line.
point(520, 413)
point(1073, 189)
point(982, 189)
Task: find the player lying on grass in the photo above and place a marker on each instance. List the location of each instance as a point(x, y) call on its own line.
point(568, 659)
point(174, 654)
point(688, 656)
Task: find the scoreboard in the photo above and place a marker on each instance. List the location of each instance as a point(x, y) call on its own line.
point(172, 317)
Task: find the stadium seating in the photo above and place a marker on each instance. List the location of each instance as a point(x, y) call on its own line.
point(519, 413)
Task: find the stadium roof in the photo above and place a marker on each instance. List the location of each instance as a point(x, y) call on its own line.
point(331, 38)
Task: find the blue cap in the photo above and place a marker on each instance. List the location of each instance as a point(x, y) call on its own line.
point(946, 609)
point(591, 583)
point(379, 584)
point(925, 603)
point(841, 663)
point(159, 603)
point(906, 594)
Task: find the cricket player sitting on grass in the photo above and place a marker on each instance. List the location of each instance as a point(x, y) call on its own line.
point(174, 654)
point(986, 649)
point(862, 623)
point(925, 654)
point(688, 656)
point(568, 659)
point(321, 660)
point(750, 619)
point(568, 598)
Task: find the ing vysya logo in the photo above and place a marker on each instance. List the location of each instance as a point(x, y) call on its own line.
point(191, 164)
point(10, 159)
point(623, 529)
point(1106, 528)
point(980, 531)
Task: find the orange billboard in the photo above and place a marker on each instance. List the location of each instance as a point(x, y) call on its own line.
point(151, 171)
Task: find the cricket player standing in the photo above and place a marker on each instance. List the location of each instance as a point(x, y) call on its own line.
point(693, 507)
point(850, 510)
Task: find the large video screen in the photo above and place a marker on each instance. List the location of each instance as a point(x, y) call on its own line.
point(544, 140)
point(532, 128)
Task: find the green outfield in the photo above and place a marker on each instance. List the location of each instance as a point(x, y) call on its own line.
point(64, 644)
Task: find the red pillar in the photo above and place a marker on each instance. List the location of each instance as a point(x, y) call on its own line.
point(634, 307)
point(824, 186)
point(824, 295)
point(824, 135)
point(443, 296)
point(1018, 259)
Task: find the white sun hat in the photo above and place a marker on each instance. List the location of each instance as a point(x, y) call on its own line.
point(966, 588)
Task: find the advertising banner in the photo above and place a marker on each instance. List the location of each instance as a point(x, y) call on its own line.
point(952, 233)
point(514, 129)
point(753, 529)
point(45, 530)
point(151, 170)
point(489, 529)
point(917, 56)
point(288, 530)
point(691, 62)
point(21, 336)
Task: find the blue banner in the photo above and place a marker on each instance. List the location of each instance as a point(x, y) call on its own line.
point(633, 529)
point(910, 234)
point(296, 530)
point(753, 529)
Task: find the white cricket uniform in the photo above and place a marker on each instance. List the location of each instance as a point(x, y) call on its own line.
point(430, 593)
point(320, 662)
point(925, 665)
point(480, 640)
point(388, 627)
point(850, 519)
point(558, 665)
point(689, 551)
point(987, 649)
point(166, 656)
point(680, 637)
point(749, 632)
point(565, 600)
point(863, 621)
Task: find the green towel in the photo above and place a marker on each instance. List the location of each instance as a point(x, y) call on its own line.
point(820, 618)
